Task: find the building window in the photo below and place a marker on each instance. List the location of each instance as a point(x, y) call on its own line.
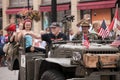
point(13, 2)
point(60, 16)
point(22, 0)
point(20, 3)
point(47, 18)
point(86, 14)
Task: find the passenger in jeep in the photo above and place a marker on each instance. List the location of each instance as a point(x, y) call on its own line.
point(29, 35)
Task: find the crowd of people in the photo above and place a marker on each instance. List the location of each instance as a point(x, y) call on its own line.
point(35, 43)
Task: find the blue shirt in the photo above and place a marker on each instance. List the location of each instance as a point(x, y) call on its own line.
point(2, 41)
point(28, 40)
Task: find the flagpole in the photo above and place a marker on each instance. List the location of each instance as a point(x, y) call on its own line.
point(116, 10)
point(116, 5)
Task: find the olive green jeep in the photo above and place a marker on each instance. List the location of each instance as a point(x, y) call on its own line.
point(69, 60)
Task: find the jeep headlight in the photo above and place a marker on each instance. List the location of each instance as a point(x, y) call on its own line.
point(76, 56)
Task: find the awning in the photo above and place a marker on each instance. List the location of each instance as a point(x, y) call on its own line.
point(14, 11)
point(96, 5)
point(59, 8)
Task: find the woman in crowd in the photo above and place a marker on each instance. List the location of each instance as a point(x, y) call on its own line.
point(96, 28)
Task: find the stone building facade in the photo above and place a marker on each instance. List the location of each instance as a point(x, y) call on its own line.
point(95, 10)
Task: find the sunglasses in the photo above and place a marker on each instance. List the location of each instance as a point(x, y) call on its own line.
point(53, 27)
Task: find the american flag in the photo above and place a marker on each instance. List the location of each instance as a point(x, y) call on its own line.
point(85, 41)
point(103, 30)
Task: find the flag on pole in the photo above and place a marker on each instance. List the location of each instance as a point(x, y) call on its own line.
point(103, 30)
point(116, 21)
point(85, 41)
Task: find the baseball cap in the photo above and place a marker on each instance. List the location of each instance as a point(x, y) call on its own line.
point(55, 24)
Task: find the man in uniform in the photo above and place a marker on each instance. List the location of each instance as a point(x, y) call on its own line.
point(85, 32)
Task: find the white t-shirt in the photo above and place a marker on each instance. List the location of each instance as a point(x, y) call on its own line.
point(71, 37)
point(39, 43)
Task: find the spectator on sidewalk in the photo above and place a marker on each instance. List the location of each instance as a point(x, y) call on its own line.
point(11, 28)
point(2, 42)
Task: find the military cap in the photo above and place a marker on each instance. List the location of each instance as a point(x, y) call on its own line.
point(83, 23)
point(55, 24)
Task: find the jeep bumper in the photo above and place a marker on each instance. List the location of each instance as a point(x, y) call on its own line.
point(100, 76)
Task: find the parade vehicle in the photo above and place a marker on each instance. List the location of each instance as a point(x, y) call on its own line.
point(68, 60)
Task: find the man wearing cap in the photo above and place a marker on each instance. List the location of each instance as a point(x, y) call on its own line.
point(55, 34)
point(85, 31)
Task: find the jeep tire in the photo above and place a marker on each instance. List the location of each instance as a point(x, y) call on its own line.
point(52, 75)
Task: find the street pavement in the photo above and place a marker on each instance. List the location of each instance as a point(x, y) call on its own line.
point(6, 74)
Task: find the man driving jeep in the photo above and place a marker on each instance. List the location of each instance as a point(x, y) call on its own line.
point(55, 34)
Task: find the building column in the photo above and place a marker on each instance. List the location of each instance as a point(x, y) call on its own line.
point(74, 12)
point(37, 26)
point(5, 17)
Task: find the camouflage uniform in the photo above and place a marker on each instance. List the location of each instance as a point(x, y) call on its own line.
point(79, 36)
point(91, 36)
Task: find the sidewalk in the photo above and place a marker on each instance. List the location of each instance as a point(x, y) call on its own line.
point(6, 74)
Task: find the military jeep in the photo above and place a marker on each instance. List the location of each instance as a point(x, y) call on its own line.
point(70, 60)
point(75, 62)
